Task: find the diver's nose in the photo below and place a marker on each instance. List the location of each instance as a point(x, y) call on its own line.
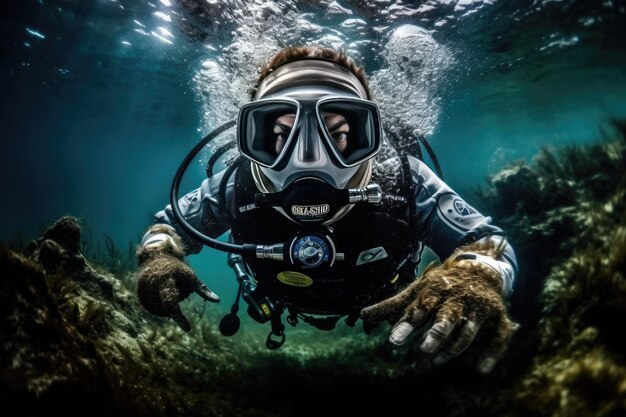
point(309, 143)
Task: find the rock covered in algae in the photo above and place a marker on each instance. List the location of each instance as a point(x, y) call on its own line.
point(517, 188)
point(76, 342)
point(578, 362)
point(59, 248)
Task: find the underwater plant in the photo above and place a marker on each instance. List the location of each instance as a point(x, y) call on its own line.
point(572, 242)
point(109, 258)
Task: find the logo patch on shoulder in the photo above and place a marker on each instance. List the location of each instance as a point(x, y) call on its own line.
point(371, 255)
point(462, 208)
point(457, 213)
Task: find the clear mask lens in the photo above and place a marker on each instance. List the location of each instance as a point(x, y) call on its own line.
point(350, 129)
point(265, 129)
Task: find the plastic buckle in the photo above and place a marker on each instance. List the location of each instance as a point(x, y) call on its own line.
point(275, 344)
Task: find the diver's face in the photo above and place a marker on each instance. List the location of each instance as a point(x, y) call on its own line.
point(337, 126)
point(320, 131)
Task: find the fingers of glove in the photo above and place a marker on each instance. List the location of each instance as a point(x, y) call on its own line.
point(497, 346)
point(390, 308)
point(177, 315)
point(464, 338)
point(515, 327)
point(407, 325)
point(170, 297)
point(448, 316)
point(415, 314)
point(203, 291)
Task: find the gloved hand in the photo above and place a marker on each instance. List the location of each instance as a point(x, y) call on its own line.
point(464, 296)
point(165, 280)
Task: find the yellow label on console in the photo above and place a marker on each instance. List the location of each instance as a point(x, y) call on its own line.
point(266, 309)
point(295, 279)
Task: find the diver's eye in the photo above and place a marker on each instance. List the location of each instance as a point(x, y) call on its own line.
point(339, 137)
point(282, 129)
point(280, 133)
point(338, 128)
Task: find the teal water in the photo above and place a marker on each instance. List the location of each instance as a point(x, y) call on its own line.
point(101, 100)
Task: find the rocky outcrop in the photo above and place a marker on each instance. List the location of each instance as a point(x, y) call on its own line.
point(58, 250)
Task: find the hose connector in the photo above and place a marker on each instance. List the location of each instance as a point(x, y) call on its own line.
point(371, 194)
point(275, 252)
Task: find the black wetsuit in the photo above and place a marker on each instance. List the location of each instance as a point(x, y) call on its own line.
point(380, 243)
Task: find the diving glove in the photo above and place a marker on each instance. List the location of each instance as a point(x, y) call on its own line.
point(164, 279)
point(463, 296)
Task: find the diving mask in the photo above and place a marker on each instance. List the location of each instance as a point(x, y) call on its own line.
point(310, 103)
point(327, 137)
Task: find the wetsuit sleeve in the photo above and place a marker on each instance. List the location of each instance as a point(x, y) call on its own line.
point(445, 222)
point(201, 209)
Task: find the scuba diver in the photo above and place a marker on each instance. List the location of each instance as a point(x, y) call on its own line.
point(328, 219)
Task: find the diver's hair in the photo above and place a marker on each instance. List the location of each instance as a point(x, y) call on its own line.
point(294, 53)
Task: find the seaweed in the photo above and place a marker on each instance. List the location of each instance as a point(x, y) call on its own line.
point(93, 318)
point(574, 281)
point(580, 366)
point(113, 260)
point(118, 262)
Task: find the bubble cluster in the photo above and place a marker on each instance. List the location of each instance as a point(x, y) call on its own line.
point(405, 85)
